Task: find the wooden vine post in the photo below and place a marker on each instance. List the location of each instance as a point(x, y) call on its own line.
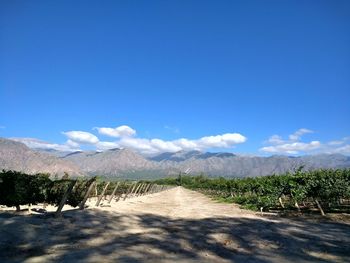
point(148, 187)
point(113, 193)
point(145, 190)
point(119, 196)
point(64, 198)
point(86, 196)
point(297, 205)
point(281, 202)
point(101, 195)
point(151, 188)
point(96, 193)
point(319, 207)
point(137, 189)
point(131, 188)
point(133, 191)
point(140, 190)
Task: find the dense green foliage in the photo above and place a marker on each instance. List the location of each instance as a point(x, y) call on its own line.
point(21, 189)
point(56, 190)
point(327, 187)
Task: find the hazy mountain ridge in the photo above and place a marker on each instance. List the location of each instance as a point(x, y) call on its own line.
point(118, 162)
point(183, 155)
point(112, 162)
point(129, 164)
point(17, 156)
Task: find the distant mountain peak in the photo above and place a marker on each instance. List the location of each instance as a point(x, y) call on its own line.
point(72, 153)
point(17, 156)
point(114, 149)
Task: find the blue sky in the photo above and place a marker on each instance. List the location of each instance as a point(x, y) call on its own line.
point(276, 73)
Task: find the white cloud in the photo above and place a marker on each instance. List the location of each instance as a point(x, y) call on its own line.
point(294, 137)
point(150, 146)
point(106, 145)
point(221, 141)
point(164, 146)
point(343, 149)
point(121, 131)
point(81, 137)
point(138, 144)
point(292, 148)
point(275, 139)
point(72, 144)
point(126, 139)
point(295, 146)
point(297, 135)
point(39, 144)
point(186, 144)
point(336, 142)
point(339, 146)
point(154, 146)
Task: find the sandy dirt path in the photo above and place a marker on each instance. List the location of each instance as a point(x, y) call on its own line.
point(176, 225)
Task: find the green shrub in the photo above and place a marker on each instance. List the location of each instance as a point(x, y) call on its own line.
point(19, 189)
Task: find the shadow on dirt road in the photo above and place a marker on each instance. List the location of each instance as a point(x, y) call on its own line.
point(95, 235)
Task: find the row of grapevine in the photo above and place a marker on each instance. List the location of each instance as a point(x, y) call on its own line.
point(323, 189)
point(18, 189)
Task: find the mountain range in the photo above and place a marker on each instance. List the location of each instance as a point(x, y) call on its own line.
point(125, 163)
point(17, 156)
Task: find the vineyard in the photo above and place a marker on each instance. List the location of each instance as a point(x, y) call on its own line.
point(176, 225)
point(22, 189)
point(324, 190)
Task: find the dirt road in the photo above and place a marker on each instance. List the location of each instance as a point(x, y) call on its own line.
point(177, 225)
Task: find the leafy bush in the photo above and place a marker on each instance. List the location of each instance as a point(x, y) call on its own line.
point(19, 189)
point(325, 185)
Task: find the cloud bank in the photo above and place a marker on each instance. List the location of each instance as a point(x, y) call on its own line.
point(154, 146)
point(69, 146)
point(121, 131)
point(294, 145)
point(81, 137)
point(126, 138)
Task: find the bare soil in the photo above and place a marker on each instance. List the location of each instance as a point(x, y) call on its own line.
point(176, 225)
